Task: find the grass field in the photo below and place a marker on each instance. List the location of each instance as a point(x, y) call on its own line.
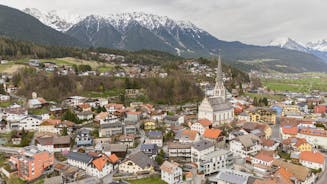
point(152, 180)
point(274, 97)
point(308, 82)
point(69, 61)
point(10, 67)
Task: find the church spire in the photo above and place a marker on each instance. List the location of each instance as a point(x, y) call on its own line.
point(219, 90)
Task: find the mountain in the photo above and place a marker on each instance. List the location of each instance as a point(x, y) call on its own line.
point(136, 31)
point(288, 43)
point(53, 19)
point(21, 26)
point(318, 48)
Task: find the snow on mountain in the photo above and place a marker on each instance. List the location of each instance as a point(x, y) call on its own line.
point(288, 43)
point(320, 45)
point(61, 22)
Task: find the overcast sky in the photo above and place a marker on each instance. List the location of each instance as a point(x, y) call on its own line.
point(249, 21)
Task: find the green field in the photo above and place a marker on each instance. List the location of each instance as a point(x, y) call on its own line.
point(274, 97)
point(68, 61)
point(306, 83)
point(152, 180)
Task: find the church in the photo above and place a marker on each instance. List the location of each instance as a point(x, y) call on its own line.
point(215, 108)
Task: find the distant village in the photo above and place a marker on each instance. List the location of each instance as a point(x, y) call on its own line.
point(227, 138)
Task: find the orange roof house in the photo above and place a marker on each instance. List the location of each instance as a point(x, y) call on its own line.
point(100, 162)
point(113, 158)
point(189, 134)
point(205, 122)
point(212, 133)
point(310, 156)
point(290, 130)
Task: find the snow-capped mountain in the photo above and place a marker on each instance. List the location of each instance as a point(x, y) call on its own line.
point(52, 18)
point(320, 45)
point(134, 31)
point(288, 43)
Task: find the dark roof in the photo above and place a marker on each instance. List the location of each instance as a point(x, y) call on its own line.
point(219, 104)
point(155, 134)
point(148, 146)
point(112, 125)
point(80, 157)
point(141, 159)
point(202, 145)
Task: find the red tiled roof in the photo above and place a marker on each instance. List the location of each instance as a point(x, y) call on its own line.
point(100, 162)
point(113, 158)
point(265, 156)
point(190, 133)
point(212, 133)
point(310, 156)
point(300, 141)
point(205, 122)
point(291, 130)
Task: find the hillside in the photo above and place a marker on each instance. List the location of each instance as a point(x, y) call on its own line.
point(21, 26)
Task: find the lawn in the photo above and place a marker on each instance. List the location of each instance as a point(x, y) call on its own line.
point(274, 97)
point(10, 67)
point(152, 180)
point(107, 93)
point(307, 83)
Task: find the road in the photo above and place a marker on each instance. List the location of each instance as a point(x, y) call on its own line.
point(142, 139)
point(10, 150)
point(323, 177)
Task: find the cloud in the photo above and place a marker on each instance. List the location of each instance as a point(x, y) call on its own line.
point(249, 21)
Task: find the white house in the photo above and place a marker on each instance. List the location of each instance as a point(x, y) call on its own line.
point(53, 144)
point(201, 125)
point(28, 123)
point(171, 173)
point(199, 149)
point(245, 145)
point(312, 160)
point(214, 161)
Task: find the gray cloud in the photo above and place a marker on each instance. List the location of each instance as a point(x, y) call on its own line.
point(249, 21)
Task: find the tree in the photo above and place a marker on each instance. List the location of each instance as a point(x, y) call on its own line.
point(160, 157)
point(69, 115)
point(2, 89)
point(241, 92)
point(64, 131)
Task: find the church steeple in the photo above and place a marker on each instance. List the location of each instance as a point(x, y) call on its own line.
point(219, 90)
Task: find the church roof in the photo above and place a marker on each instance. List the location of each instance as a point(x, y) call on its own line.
point(218, 104)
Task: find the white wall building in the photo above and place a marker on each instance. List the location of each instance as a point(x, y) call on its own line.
point(171, 173)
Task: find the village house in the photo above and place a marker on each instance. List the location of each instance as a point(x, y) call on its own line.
point(151, 150)
point(53, 143)
point(214, 161)
point(112, 107)
point(179, 152)
point(149, 125)
point(312, 159)
point(133, 116)
point(27, 123)
point(201, 125)
point(265, 115)
point(154, 137)
point(98, 165)
point(128, 140)
point(171, 172)
point(245, 145)
point(83, 138)
point(173, 120)
point(85, 115)
point(137, 163)
point(187, 136)
point(199, 149)
point(109, 129)
point(213, 135)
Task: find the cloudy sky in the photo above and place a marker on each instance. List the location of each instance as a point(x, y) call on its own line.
point(249, 21)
